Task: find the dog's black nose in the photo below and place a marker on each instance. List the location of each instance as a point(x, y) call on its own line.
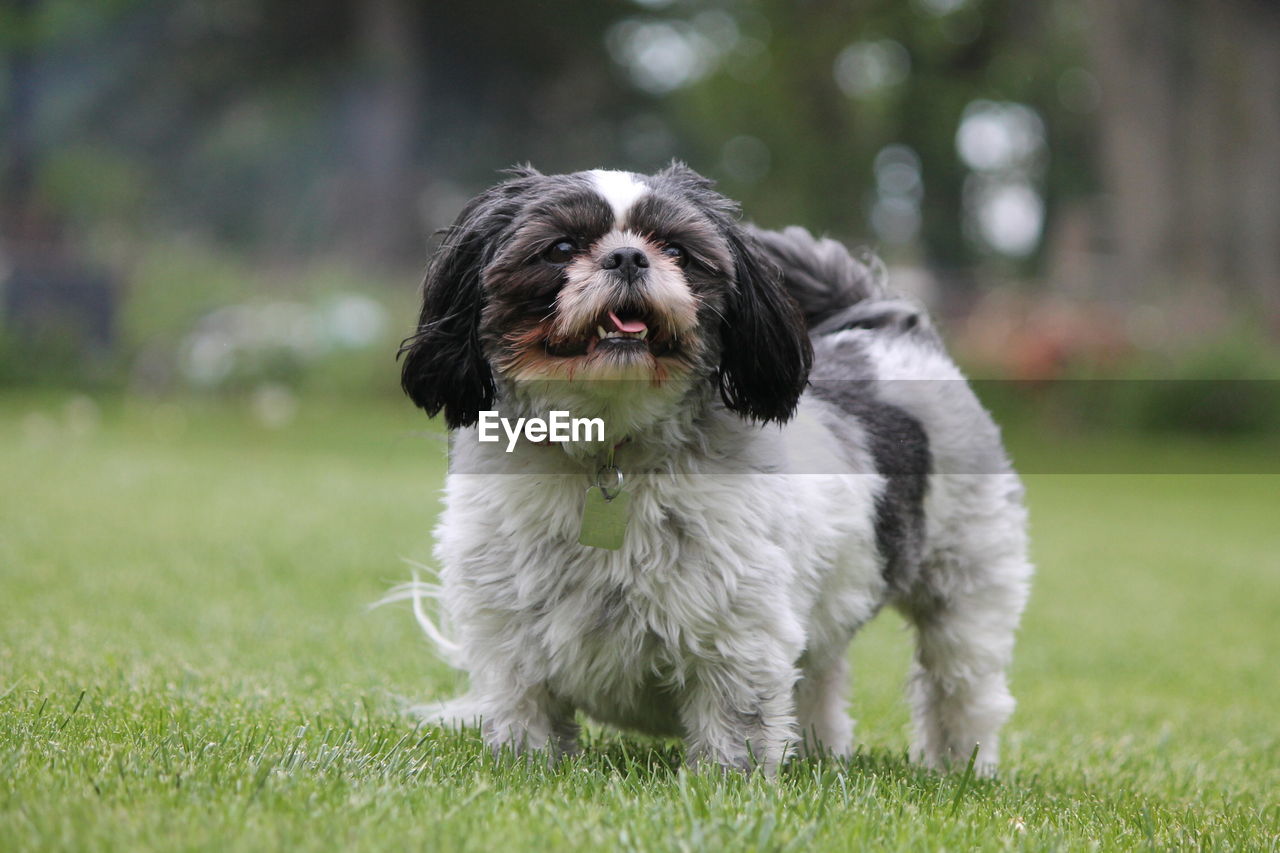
point(627, 260)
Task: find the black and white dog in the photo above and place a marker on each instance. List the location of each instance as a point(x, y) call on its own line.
point(787, 450)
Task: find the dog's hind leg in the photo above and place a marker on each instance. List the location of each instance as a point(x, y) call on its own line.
point(958, 685)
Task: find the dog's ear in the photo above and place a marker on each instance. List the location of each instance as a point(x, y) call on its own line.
point(444, 363)
point(766, 353)
point(677, 173)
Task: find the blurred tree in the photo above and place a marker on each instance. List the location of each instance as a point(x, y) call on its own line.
point(1190, 130)
point(286, 127)
point(384, 111)
point(58, 310)
point(17, 174)
point(356, 126)
point(857, 108)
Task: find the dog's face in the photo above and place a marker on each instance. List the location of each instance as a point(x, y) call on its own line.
point(582, 280)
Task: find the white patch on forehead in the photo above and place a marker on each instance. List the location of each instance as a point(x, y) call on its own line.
point(620, 189)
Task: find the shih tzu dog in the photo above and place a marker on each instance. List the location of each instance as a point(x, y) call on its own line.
point(786, 449)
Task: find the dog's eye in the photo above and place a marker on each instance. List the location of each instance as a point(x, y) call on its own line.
point(561, 251)
point(676, 254)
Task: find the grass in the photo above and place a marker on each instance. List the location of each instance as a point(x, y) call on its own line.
point(187, 662)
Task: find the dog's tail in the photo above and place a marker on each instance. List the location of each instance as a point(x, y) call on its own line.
point(461, 711)
point(415, 591)
point(835, 289)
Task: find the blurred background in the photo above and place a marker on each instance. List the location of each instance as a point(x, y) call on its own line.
point(214, 219)
point(237, 197)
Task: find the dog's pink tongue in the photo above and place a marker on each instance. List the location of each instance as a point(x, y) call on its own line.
point(631, 326)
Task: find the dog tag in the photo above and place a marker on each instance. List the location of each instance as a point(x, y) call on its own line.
point(604, 518)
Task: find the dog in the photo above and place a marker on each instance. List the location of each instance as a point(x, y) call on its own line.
point(787, 449)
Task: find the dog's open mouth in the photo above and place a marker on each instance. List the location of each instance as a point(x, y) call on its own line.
point(619, 331)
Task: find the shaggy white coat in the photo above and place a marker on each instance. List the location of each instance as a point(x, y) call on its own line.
point(750, 562)
point(727, 614)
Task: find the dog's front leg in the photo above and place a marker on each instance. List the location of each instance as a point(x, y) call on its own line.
point(740, 714)
point(526, 719)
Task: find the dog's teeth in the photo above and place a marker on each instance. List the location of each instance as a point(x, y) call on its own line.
point(604, 335)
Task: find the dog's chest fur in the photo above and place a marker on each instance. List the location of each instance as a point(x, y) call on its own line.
point(709, 560)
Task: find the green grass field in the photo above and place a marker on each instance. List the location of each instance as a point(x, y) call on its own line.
point(187, 661)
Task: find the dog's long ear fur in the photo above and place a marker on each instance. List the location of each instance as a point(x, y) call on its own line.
point(766, 353)
point(444, 364)
point(765, 348)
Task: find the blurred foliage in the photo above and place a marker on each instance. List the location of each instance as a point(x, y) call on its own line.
point(178, 290)
point(227, 157)
point(824, 140)
point(1227, 387)
point(280, 128)
point(1192, 395)
point(279, 324)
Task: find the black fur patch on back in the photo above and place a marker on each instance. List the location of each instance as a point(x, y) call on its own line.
point(900, 450)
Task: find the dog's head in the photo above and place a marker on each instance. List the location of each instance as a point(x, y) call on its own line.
point(578, 281)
